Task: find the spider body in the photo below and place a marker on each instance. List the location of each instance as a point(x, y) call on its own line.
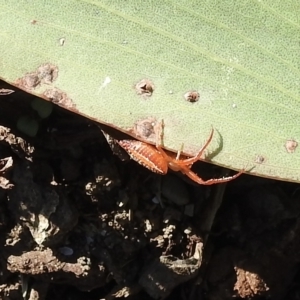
point(159, 161)
point(146, 155)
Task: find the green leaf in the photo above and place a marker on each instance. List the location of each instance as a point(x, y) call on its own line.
point(242, 57)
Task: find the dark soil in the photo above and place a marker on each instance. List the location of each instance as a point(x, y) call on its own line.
point(79, 222)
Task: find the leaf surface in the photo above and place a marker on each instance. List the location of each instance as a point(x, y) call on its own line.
point(242, 57)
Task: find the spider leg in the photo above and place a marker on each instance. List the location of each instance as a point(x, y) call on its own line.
point(179, 152)
point(185, 170)
point(160, 143)
point(160, 136)
point(191, 160)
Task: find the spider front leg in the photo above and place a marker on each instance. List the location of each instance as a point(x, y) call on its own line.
point(184, 162)
point(159, 141)
point(188, 172)
point(190, 161)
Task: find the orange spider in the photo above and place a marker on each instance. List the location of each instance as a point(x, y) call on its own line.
point(158, 161)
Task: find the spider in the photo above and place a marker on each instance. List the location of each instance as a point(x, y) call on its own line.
point(156, 159)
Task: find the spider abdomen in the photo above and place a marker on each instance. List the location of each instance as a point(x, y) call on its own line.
point(146, 155)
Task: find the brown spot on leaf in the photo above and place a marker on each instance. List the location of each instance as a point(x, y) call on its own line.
point(28, 82)
point(60, 98)
point(44, 74)
point(47, 73)
point(145, 128)
point(259, 159)
point(145, 87)
point(33, 22)
point(291, 145)
point(191, 96)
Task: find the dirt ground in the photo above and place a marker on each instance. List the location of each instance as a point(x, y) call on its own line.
point(80, 222)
